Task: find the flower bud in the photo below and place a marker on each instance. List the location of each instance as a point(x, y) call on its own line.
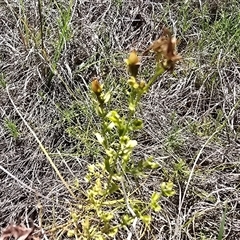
point(96, 87)
point(133, 63)
point(133, 58)
point(142, 84)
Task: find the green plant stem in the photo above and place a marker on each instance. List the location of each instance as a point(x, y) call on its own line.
point(158, 72)
point(41, 23)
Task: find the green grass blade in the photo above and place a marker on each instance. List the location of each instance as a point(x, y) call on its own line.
point(221, 228)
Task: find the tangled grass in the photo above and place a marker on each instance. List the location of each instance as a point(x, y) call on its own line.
point(48, 57)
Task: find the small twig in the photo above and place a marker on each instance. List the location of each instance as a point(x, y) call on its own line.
point(134, 228)
point(22, 183)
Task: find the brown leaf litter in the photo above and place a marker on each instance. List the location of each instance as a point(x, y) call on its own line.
point(19, 232)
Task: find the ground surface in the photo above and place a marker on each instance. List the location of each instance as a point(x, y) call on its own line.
point(192, 117)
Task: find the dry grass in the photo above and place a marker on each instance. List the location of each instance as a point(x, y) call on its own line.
point(192, 117)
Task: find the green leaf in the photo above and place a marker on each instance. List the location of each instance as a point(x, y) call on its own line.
point(74, 216)
point(76, 183)
point(124, 140)
point(114, 117)
point(137, 124)
point(127, 220)
point(155, 197)
point(112, 231)
point(132, 107)
point(167, 189)
point(110, 152)
point(110, 126)
point(99, 138)
point(121, 129)
point(146, 219)
point(107, 165)
point(106, 216)
point(157, 208)
point(85, 225)
point(154, 201)
point(106, 97)
point(114, 187)
point(91, 168)
point(149, 163)
point(88, 178)
point(98, 236)
point(132, 81)
point(70, 233)
point(97, 188)
point(131, 144)
point(99, 109)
